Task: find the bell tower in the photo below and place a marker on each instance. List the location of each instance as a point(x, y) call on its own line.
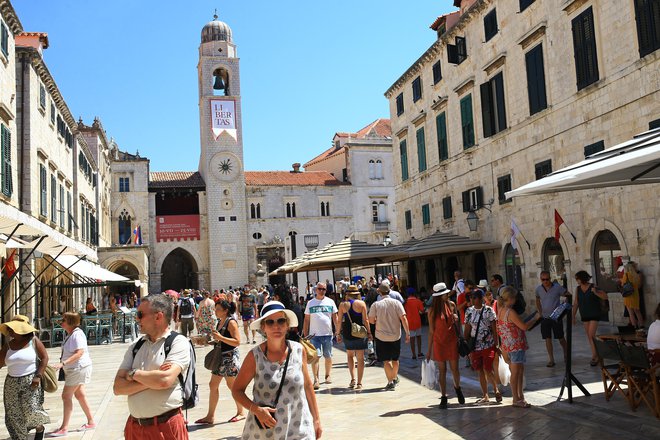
point(221, 158)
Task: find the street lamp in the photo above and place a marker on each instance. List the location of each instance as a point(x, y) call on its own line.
point(473, 218)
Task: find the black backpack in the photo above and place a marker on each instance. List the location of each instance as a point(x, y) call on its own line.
point(189, 383)
point(186, 307)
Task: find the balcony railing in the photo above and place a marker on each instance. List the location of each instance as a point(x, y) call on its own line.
point(381, 226)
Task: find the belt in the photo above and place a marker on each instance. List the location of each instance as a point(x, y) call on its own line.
point(148, 421)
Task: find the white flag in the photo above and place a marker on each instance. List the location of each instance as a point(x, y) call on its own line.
point(515, 232)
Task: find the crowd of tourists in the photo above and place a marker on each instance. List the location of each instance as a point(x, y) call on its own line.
point(486, 323)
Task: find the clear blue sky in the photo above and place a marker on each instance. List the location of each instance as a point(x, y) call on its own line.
point(308, 69)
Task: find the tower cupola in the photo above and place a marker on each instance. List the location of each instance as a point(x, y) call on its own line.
point(216, 30)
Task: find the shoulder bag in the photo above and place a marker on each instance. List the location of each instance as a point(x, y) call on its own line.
point(213, 358)
point(463, 346)
point(279, 390)
point(357, 330)
point(49, 378)
point(309, 348)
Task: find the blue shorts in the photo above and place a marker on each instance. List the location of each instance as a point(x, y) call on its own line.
point(518, 356)
point(323, 345)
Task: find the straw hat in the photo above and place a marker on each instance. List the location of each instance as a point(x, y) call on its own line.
point(440, 289)
point(270, 308)
point(353, 290)
point(19, 324)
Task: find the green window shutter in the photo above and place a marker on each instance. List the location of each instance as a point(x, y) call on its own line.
point(467, 122)
point(403, 150)
point(7, 186)
point(421, 150)
point(441, 127)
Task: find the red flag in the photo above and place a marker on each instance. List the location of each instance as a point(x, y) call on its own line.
point(558, 222)
point(10, 267)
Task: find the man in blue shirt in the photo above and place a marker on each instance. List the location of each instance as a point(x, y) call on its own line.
point(548, 297)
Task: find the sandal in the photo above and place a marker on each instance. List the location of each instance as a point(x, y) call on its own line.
point(498, 397)
point(328, 379)
point(316, 385)
point(203, 421)
point(237, 418)
point(352, 384)
point(482, 401)
point(87, 426)
point(521, 404)
point(550, 364)
point(358, 387)
point(593, 362)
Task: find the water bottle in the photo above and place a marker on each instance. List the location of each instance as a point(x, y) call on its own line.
point(370, 347)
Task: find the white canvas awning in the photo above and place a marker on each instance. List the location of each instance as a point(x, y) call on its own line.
point(634, 162)
point(88, 269)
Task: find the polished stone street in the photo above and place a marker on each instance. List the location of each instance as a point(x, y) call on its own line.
point(410, 411)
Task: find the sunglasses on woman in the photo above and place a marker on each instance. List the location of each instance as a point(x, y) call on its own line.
point(279, 321)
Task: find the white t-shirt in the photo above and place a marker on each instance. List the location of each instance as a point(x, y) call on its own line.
point(653, 339)
point(76, 341)
point(320, 316)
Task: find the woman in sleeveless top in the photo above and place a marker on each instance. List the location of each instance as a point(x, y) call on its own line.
point(511, 330)
point(277, 366)
point(206, 319)
point(443, 341)
point(228, 336)
point(353, 310)
point(632, 302)
point(26, 359)
point(587, 301)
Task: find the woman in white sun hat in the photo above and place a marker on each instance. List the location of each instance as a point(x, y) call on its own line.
point(290, 410)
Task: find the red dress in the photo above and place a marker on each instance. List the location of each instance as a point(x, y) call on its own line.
point(445, 341)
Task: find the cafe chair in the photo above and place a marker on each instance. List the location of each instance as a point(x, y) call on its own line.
point(613, 374)
point(43, 332)
point(642, 378)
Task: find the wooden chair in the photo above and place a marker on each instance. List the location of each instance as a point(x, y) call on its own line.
point(642, 378)
point(613, 374)
point(43, 332)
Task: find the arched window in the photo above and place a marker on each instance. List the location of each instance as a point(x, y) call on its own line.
point(553, 261)
point(255, 210)
point(221, 82)
point(379, 169)
point(325, 209)
point(372, 169)
point(124, 227)
point(512, 267)
point(258, 210)
point(606, 249)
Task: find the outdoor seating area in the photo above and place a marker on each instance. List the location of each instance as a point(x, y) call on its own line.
point(105, 327)
point(627, 368)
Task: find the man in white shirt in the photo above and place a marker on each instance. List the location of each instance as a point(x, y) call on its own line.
point(320, 313)
point(459, 286)
point(150, 378)
point(388, 314)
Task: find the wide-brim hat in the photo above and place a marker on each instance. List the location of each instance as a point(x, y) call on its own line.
point(440, 289)
point(19, 324)
point(352, 290)
point(270, 308)
point(483, 284)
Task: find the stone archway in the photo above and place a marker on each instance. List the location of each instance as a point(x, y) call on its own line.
point(179, 271)
point(128, 270)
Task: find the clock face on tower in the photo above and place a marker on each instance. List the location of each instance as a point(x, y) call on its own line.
point(225, 166)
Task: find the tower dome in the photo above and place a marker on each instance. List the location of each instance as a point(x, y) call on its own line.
point(216, 30)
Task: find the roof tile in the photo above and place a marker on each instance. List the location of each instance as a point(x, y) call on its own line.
point(176, 179)
point(307, 178)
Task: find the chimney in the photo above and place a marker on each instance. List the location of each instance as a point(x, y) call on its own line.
point(37, 40)
point(296, 167)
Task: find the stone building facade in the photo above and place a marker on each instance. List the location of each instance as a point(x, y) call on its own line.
point(509, 92)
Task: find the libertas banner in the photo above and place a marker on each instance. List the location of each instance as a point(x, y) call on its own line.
point(223, 117)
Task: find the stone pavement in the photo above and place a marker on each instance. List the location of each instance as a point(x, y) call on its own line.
point(410, 411)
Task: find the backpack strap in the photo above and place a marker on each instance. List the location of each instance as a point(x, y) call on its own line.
point(137, 346)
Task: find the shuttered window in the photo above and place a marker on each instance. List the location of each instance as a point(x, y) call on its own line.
point(53, 199)
point(503, 185)
point(446, 208)
point(408, 216)
point(593, 148)
point(584, 46)
point(426, 214)
point(535, 80)
point(417, 89)
point(4, 39)
point(473, 198)
point(490, 25)
point(492, 105)
point(43, 185)
point(5, 141)
point(399, 104)
point(61, 210)
point(647, 15)
point(69, 215)
point(441, 129)
point(524, 4)
point(467, 123)
point(437, 72)
point(42, 96)
point(403, 152)
point(421, 150)
point(542, 169)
